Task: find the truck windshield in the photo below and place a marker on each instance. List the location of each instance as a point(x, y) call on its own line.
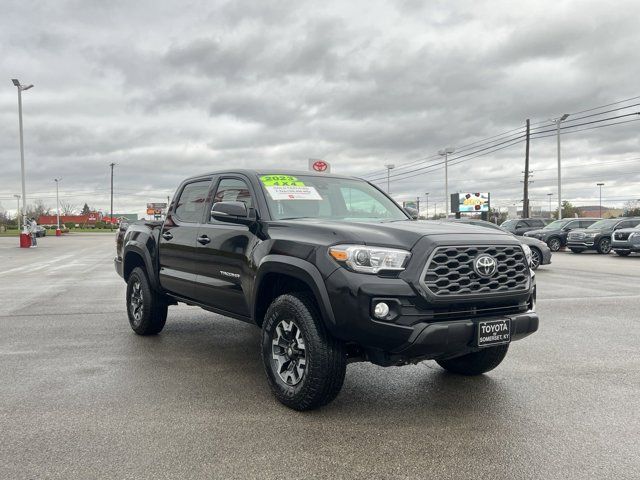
point(344, 199)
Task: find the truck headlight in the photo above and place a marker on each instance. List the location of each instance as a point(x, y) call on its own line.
point(527, 253)
point(633, 234)
point(365, 259)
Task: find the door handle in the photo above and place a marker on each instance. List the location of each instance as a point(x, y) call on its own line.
point(167, 235)
point(203, 239)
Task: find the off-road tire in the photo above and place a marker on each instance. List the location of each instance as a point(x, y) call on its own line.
point(325, 356)
point(554, 244)
point(604, 246)
point(153, 315)
point(476, 363)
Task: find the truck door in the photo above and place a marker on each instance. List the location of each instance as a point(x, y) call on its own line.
point(177, 243)
point(224, 274)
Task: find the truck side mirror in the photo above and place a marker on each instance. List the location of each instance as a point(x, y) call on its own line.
point(233, 212)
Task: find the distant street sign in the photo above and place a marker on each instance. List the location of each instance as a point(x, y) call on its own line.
point(321, 166)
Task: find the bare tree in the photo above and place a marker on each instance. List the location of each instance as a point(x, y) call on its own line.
point(37, 209)
point(67, 208)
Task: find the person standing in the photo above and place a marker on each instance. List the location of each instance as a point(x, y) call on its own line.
point(33, 229)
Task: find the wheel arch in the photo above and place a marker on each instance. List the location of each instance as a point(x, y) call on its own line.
point(279, 274)
point(135, 256)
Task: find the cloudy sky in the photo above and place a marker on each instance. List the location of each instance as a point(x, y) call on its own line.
point(167, 89)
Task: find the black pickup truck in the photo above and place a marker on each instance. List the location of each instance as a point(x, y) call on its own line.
point(333, 271)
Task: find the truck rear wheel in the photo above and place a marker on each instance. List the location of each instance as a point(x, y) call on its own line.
point(304, 364)
point(476, 363)
point(147, 309)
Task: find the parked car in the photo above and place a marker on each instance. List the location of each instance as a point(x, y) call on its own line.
point(598, 235)
point(540, 252)
point(626, 240)
point(41, 231)
point(555, 234)
point(332, 270)
point(522, 225)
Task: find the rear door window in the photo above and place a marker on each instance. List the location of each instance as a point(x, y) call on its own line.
point(193, 197)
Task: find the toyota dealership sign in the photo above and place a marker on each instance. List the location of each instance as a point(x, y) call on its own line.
point(321, 166)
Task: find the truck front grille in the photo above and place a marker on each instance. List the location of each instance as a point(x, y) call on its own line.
point(621, 235)
point(575, 236)
point(450, 271)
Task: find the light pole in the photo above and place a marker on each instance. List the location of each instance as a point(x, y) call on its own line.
point(111, 213)
point(18, 210)
point(445, 152)
point(550, 195)
point(426, 194)
point(558, 121)
point(22, 88)
point(600, 185)
point(58, 233)
point(389, 167)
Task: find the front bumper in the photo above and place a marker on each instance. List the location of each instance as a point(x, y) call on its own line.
point(443, 339)
point(416, 328)
point(581, 245)
point(625, 246)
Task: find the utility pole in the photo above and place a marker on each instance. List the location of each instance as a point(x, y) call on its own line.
point(22, 88)
point(550, 195)
point(57, 180)
point(558, 121)
point(111, 215)
point(18, 211)
point(445, 152)
point(525, 203)
point(600, 185)
point(418, 205)
point(389, 167)
point(426, 194)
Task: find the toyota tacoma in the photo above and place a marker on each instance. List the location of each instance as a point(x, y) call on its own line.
point(333, 271)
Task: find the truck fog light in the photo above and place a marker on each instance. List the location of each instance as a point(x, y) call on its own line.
point(381, 310)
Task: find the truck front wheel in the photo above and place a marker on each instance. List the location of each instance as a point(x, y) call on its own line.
point(304, 364)
point(147, 309)
point(476, 363)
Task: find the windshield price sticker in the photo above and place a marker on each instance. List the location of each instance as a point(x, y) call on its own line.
point(292, 192)
point(280, 181)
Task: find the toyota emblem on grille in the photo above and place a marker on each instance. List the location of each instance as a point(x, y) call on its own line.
point(485, 265)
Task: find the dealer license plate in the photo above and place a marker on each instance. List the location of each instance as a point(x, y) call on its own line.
point(493, 332)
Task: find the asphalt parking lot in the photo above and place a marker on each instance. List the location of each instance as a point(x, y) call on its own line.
point(81, 396)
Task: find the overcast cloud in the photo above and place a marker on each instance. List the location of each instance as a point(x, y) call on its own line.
point(167, 89)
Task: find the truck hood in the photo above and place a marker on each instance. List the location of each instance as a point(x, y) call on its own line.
point(540, 231)
point(597, 231)
point(401, 234)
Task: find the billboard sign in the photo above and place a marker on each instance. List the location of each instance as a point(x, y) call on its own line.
point(156, 209)
point(470, 202)
point(321, 166)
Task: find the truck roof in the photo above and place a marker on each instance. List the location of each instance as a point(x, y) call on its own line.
point(271, 171)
